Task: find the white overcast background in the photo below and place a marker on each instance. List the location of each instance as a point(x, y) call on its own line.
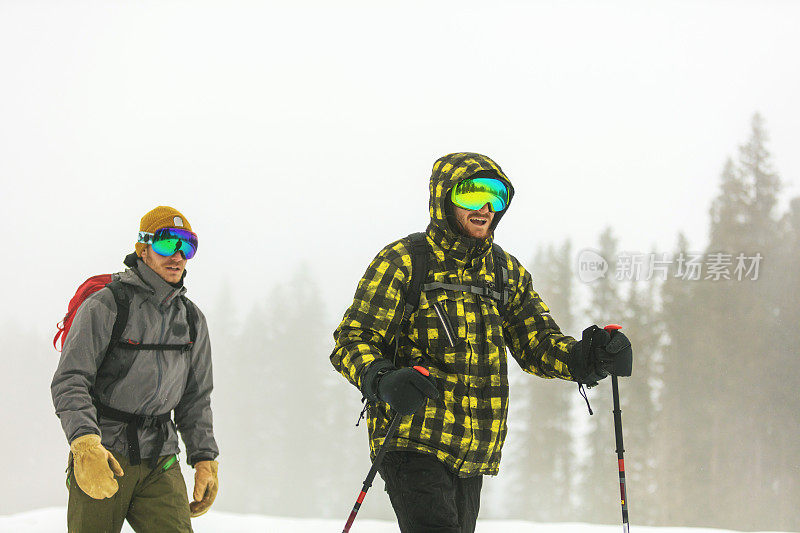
point(303, 132)
point(292, 132)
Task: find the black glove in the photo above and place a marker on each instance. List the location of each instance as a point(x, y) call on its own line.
point(405, 389)
point(615, 357)
point(599, 353)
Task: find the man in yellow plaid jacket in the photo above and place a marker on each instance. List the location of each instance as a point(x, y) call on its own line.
point(459, 332)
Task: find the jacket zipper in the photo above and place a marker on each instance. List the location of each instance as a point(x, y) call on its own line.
point(159, 355)
point(448, 329)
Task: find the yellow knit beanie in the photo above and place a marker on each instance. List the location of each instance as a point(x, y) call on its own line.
point(161, 217)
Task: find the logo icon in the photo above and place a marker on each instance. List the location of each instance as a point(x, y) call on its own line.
point(591, 266)
point(178, 222)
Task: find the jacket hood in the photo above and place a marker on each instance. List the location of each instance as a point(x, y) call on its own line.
point(447, 172)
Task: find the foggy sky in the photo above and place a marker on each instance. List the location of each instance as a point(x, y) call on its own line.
point(290, 132)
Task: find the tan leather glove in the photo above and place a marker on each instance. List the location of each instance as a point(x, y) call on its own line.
point(206, 485)
point(94, 467)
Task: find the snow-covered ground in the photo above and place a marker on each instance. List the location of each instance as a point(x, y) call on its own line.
point(53, 519)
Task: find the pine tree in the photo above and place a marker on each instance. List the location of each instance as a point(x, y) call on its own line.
point(682, 447)
point(544, 458)
point(763, 182)
point(742, 358)
point(729, 217)
point(637, 398)
point(280, 387)
point(601, 499)
point(784, 459)
point(723, 355)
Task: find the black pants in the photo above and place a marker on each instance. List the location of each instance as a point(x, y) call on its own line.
point(427, 497)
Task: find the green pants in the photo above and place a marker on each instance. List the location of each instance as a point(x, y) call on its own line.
point(153, 500)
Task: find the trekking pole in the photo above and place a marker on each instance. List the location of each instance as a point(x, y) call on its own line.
point(372, 471)
point(393, 425)
point(620, 447)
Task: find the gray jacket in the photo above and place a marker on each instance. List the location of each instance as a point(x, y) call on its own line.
point(144, 382)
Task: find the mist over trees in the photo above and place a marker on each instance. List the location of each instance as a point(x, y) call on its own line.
point(541, 479)
point(711, 414)
point(731, 370)
point(285, 417)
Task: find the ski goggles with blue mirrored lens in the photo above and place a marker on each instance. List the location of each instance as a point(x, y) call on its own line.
point(168, 241)
point(474, 193)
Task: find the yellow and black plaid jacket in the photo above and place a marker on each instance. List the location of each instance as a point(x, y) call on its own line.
point(466, 426)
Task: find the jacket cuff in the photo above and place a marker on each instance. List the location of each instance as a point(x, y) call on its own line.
point(81, 432)
point(579, 368)
point(369, 380)
point(191, 461)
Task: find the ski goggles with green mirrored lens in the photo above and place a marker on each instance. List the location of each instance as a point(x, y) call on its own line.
point(474, 193)
point(168, 241)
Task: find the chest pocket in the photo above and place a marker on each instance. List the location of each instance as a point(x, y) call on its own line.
point(441, 321)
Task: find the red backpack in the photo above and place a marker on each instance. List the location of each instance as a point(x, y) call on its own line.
point(87, 288)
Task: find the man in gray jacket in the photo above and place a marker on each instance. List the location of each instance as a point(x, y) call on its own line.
point(138, 350)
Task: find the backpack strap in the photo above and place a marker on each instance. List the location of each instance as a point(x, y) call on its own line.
point(418, 245)
point(500, 275)
point(191, 318)
point(474, 289)
point(419, 271)
point(123, 302)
